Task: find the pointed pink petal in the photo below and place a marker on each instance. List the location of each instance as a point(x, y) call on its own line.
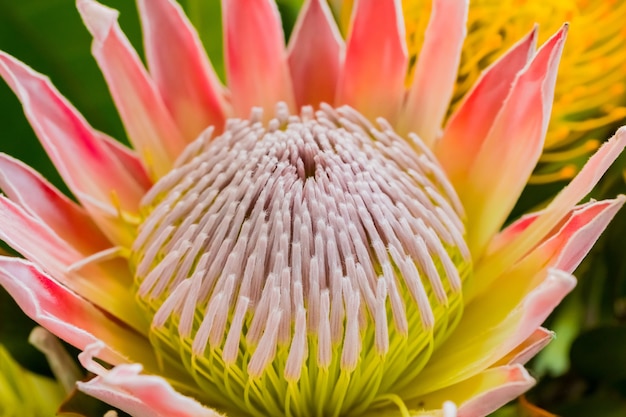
point(564, 248)
point(373, 74)
point(498, 387)
point(436, 70)
point(511, 232)
point(41, 200)
point(87, 165)
point(181, 69)
point(314, 55)
point(69, 316)
point(137, 394)
point(528, 348)
point(495, 324)
point(468, 127)
point(149, 125)
point(575, 239)
point(520, 243)
point(105, 285)
point(256, 62)
point(485, 392)
point(129, 160)
point(510, 152)
point(34, 239)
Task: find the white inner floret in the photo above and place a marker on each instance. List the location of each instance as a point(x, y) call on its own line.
point(314, 247)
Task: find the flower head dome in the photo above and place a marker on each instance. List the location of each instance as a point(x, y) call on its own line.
point(310, 239)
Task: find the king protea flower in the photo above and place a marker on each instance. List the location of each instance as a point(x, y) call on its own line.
point(263, 253)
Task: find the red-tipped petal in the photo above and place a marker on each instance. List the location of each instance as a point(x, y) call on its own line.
point(69, 316)
point(85, 162)
point(520, 243)
point(373, 74)
point(436, 70)
point(468, 127)
point(528, 348)
point(315, 54)
point(256, 61)
point(484, 392)
point(510, 152)
point(149, 125)
point(495, 324)
point(137, 394)
point(181, 69)
point(41, 200)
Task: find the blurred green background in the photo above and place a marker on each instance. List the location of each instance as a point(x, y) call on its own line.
point(582, 373)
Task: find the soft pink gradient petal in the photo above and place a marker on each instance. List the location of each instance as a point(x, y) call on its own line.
point(34, 239)
point(577, 236)
point(315, 55)
point(129, 160)
point(41, 200)
point(511, 232)
point(139, 395)
point(107, 287)
point(374, 71)
point(181, 69)
point(494, 394)
point(436, 71)
point(494, 325)
point(468, 127)
point(69, 316)
point(529, 232)
point(528, 348)
point(149, 125)
point(485, 392)
point(513, 146)
point(69, 140)
point(564, 248)
point(256, 61)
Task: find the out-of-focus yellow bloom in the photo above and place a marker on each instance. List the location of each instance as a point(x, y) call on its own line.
point(590, 95)
point(24, 393)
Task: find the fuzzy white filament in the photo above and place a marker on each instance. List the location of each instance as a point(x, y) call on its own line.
point(313, 225)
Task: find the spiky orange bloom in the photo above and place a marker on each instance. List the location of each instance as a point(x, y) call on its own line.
point(263, 253)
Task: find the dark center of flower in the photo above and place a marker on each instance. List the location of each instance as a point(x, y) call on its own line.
point(306, 267)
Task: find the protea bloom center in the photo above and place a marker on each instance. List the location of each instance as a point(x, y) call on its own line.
point(316, 238)
point(306, 266)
